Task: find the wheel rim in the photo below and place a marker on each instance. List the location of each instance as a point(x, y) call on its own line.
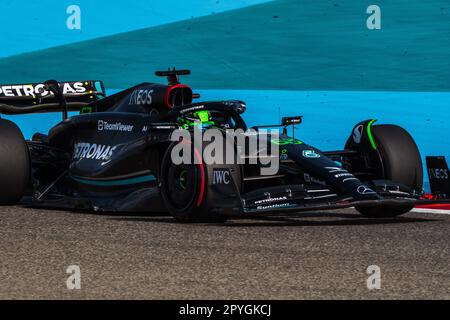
point(182, 179)
point(181, 188)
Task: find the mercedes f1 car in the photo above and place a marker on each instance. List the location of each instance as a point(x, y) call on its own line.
point(115, 156)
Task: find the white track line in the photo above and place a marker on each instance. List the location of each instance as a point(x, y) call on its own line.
point(436, 211)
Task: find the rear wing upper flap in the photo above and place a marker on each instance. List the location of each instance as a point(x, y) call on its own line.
point(27, 98)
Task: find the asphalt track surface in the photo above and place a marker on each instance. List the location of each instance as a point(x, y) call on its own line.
point(321, 255)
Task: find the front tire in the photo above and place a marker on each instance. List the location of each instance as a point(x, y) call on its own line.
point(401, 162)
point(14, 163)
point(186, 188)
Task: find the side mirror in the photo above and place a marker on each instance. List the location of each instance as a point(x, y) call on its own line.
point(289, 121)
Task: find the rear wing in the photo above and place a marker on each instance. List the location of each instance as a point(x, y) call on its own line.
point(38, 97)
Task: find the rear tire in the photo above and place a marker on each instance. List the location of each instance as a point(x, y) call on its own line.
point(402, 163)
point(14, 163)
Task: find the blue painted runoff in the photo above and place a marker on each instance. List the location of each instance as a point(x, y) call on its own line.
point(328, 115)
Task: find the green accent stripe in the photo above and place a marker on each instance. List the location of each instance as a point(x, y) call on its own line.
point(118, 182)
point(369, 134)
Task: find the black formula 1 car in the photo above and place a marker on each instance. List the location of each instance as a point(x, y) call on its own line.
point(116, 156)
